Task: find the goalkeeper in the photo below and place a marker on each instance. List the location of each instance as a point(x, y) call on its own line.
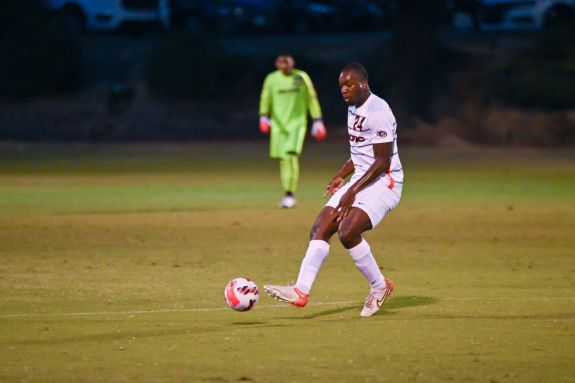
point(288, 95)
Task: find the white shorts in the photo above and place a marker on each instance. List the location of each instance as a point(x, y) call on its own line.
point(376, 199)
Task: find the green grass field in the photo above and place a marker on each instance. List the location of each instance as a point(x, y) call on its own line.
point(113, 262)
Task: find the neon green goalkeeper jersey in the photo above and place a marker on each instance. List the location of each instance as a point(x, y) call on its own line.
point(287, 99)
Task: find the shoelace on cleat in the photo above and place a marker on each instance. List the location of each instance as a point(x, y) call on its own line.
point(369, 300)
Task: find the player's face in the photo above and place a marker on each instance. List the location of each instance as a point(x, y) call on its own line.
point(351, 88)
point(285, 64)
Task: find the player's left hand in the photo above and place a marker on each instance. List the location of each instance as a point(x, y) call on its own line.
point(318, 130)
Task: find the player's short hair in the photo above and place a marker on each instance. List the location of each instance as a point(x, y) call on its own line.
point(284, 54)
point(358, 68)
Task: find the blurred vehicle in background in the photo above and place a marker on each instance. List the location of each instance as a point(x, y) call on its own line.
point(511, 14)
point(336, 15)
point(228, 16)
point(463, 13)
point(516, 14)
point(188, 14)
point(108, 15)
point(280, 16)
point(223, 16)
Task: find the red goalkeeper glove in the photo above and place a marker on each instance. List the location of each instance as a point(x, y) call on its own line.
point(265, 124)
point(318, 130)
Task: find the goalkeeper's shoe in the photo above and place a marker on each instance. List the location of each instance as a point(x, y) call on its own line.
point(287, 294)
point(375, 299)
point(288, 202)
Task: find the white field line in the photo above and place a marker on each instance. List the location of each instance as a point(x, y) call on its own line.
point(275, 306)
point(160, 311)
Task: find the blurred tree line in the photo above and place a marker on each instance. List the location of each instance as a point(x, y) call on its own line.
point(543, 76)
point(39, 57)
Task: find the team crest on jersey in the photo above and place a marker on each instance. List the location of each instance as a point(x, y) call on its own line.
point(297, 80)
point(382, 133)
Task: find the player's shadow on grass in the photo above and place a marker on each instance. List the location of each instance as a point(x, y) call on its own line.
point(127, 336)
point(249, 323)
point(392, 304)
point(408, 301)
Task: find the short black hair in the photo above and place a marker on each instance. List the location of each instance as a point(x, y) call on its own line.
point(358, 68)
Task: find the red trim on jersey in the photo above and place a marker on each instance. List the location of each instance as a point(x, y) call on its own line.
point(392, 181)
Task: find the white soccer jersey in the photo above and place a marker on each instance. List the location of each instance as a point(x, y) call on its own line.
point(373, 123)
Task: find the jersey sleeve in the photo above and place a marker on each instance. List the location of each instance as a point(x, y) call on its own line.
point(312, 101)
point(266, 97)
point(383, 126)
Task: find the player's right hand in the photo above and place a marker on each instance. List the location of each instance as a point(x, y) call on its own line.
point(265, 124)
point(344, 206)
point(334, 185)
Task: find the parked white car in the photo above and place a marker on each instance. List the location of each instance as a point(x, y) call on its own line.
point(106, 15)
point(514, 14)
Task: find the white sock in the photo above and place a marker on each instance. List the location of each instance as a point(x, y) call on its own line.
point(314, 257)
point(364, 261)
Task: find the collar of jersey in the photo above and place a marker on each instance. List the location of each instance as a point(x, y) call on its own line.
point(363, 108)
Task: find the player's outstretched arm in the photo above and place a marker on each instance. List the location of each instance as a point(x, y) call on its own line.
point(311, 99)
point(265, 106)
point(382, 153)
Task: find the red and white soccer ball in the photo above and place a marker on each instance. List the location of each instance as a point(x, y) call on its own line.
point(241, 294)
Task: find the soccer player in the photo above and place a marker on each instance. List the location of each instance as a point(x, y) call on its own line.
point(287, 96)
point(359, 205)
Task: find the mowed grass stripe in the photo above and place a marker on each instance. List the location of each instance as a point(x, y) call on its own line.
point(265, 307)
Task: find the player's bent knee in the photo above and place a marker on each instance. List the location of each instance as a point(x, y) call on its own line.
point(349, 236)
point(319, 231)
point(313, 233)
point(324, 226)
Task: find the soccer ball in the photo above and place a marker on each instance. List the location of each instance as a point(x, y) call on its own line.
point(241, 294)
